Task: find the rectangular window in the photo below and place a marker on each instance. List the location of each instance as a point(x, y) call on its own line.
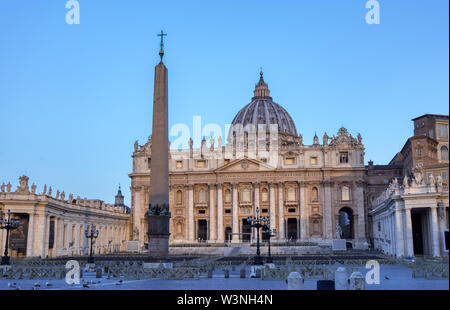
point(313, 160)
point(265, 210)
point(227, 211)
point(179, 164)
point(291, 194)
point(264, 196)
point(419, 152)
point(343, 157)
point(291, 210)
point(289, 161)
point(245, 195)
point(201, 163)
point(345, 191)
point(442, 130)
point(148, 162)
point(201, 211)
point(444, 175)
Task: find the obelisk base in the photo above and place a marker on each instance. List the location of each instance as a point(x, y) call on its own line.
point(158, 236)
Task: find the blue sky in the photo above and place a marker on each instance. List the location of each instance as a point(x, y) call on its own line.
point(74, 98)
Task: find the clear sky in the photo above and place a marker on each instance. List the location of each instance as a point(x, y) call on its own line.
point(74, 98)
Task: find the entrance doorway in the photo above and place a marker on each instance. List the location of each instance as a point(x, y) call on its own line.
point(228, 232)
point(416, 219)
point(18, 238)
point(202, 232)
point(292, 229)
point(246, 231)
point(346, 222)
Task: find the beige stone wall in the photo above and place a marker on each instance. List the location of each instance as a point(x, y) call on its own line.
point(316, 218)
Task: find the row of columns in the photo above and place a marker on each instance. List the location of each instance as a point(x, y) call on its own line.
point(216, 227)
point(66, 232)
point(403, 231)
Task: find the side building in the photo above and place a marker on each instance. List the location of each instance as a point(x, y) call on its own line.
point(410, 216)
point(53, 224)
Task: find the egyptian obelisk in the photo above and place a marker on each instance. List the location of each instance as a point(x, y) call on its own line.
point(158, 213)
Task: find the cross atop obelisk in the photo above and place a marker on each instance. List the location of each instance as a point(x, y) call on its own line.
point(161, 51)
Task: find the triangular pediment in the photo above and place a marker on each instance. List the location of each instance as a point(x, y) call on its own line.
point(244, 164)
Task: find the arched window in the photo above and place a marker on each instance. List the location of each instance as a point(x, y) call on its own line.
point(179, 197)
point(444, 153)
point(227, 196)
point(202, 196)
point(315, 194)
point(264, 195)
point(345, 193)
point(245, 195)
point(291, 194)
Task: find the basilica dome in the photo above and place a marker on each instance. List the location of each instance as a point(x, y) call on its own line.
point(263, 110)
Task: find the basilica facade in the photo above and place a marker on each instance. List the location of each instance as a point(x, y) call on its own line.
point(263, 169)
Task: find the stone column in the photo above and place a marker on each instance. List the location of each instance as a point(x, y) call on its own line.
point(212, 214)
point(82, 238)
point(190, 223)
point(303, 213)
point(359, 198)
point(434, 228)
point(138, 213)
point(235, 214)
point(39, 235)
point(77, 238)
point(56, 245)
point(399, 237)
point(327, 209)
point(409, 235)
point(220, 231)
point(256, 189)
point(62, 238)
point(30, 237)
point(281, 221)
point(46, 235)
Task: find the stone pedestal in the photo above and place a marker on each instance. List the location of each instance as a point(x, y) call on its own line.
point(132, 246)
point(295, 281)
point(255, 271)
point(357, 281)
point(341, 279)
point(339, 245)
point(158, 236)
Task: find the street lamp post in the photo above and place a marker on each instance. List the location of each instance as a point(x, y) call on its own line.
point(7, 224)
point(269, 233)
point(92, 234)
point(257, 222)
